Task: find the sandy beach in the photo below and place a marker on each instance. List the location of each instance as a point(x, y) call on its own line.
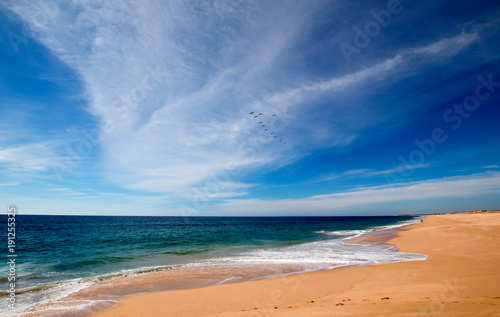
point(461, 277)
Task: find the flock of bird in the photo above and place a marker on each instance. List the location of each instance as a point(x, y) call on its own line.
point(262, 125)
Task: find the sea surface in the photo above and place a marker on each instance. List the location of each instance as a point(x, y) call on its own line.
point(59, 255)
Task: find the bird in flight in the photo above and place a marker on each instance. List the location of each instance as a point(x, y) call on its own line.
point(263, 125)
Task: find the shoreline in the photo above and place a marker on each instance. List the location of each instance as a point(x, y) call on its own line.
point(108, 291)
point(458, 277)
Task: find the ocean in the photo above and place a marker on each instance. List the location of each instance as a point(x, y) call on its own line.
point(60, 255)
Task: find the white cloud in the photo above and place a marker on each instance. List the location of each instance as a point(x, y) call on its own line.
point(457, 187)
point(446, 46)
point(176, 82)
point(366, 173)
point(491, 166)
point(76, 205)
point(383, 197)
point(184, 123)
point(9, 184)
point(34, 157)
point(397, 65)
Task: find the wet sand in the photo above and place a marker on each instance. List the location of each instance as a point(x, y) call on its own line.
point(461, 277)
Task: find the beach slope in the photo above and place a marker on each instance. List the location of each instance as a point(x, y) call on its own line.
point(461, 277)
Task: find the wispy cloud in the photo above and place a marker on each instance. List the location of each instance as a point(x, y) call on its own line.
point(181, 132)
point(171, 86)
point(34, 157)
point(491, 166)
point(458, 187)
point(447, 46)
point(366, 173)
point(9, 184)
point(399, 65)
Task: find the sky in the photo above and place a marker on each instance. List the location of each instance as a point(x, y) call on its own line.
point(249, 108)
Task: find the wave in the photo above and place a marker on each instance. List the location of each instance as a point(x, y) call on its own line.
point(186, 252)
point(344, 233)
point(27, 297)
point(330, 252)
point(90, 263)
point(360, 232)
point(321, 255)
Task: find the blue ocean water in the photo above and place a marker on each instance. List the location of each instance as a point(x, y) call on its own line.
point(59, 250)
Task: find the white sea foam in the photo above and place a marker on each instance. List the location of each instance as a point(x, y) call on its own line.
point(49, 293)
point(311, 256)
point(57, 291)
point(399, 224)
point(352, 233)
point(327, 254)
point(358, 233)
point(322, 255)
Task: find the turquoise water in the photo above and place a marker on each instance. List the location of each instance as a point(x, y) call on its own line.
point(59, 250)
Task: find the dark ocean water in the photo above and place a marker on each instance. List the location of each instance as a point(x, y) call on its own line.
point(71, 252)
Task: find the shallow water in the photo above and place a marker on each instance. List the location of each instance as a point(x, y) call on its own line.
point(70, 255)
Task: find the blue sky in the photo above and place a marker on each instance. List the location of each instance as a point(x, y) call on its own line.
point(143, 108)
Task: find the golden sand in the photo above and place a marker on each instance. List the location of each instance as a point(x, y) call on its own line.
point(461, 277)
